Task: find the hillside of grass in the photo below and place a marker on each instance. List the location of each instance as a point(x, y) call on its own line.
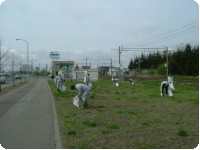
point(129, 116)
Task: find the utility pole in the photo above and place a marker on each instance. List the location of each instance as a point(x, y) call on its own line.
point(27, 55)
point(86, 64)
point(119, 57)
point(120, 62)
point(167, 61)
point(0, 64)
point(21, 70)
point(111, 67)
point(121, 49)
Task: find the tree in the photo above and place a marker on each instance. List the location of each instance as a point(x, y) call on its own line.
point(3, 60)
point(184, 61)
point(188, 58)
point(131, 65)
point(143, 62)
point(13, 62)
point(161, 69)
point(195, 61)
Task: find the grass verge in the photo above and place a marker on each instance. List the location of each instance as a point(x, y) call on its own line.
point(130, 116)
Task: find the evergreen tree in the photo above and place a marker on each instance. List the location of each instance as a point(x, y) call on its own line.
point(188, 58)
point(131, 65)
point(195, 60)
point(184, 61)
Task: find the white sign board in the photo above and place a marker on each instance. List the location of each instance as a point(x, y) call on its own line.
point(54, 55)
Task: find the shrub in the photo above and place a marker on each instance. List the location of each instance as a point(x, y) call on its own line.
point(71, 132)
point(182, 133)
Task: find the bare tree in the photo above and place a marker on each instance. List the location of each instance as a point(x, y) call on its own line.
point(3, 59)
point(14, 62)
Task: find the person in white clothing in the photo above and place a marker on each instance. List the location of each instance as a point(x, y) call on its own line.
point(58, 82)
point(88, 82)
point(83, 91)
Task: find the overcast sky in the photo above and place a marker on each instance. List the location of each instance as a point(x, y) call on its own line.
point(94, 28)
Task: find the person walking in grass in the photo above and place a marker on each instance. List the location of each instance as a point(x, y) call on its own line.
point(83, 90)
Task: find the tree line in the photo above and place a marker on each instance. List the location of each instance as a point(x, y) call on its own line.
point(183, 61)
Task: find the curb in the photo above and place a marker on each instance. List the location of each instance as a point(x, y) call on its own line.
point(56, 132)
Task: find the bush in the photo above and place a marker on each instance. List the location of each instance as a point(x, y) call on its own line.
point(182, 133)
point(161, 70)
point(71, 132)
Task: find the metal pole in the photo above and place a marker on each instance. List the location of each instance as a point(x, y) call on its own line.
point(119, 57)
point(27, 54)
point(86, 64)
point(111, 68)
point(167, 61)
point(0, 57)
point(119, 63)
point(27, 58)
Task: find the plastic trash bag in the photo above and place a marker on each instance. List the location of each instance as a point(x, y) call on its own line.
point(90, 85)
point(170, 93)
point(76, 101)
point(63, 89)
point(117, 84)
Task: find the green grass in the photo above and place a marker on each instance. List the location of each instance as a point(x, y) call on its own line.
point(90, 123)
point(130, 116)
point(182, 133)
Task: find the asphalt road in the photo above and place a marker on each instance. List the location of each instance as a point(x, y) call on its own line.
point(27, 117)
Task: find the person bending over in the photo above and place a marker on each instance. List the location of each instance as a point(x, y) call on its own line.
point(83, 91)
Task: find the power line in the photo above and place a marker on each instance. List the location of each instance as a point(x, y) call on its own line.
point(169, 38)
point(123, 49)
point(170, 33)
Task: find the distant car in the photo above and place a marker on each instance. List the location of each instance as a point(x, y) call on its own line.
point(18, 77)
point(2, 79)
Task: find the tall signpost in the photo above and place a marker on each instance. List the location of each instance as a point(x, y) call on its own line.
point(54, 55)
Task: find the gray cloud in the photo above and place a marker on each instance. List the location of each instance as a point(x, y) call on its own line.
point(91, 28)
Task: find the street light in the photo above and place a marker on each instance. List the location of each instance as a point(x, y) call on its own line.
point(27, 52)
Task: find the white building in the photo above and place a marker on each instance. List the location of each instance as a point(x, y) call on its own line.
point(80, 74)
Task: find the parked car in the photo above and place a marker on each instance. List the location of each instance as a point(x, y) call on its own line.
point(18, 77)
point(2, 79)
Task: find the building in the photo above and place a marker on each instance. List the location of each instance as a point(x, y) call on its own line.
point(66, 67)
point(80, 74)
point(108, 71)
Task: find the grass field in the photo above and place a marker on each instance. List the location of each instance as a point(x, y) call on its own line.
point(130, 116)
